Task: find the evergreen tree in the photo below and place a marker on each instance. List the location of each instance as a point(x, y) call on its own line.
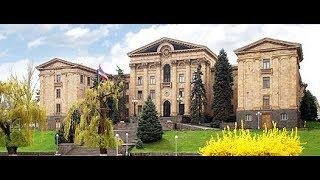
point(120, 80)
point(222, 89)
point(75, 120)
point(308, 108)
point(198, 98)
point(149, 127)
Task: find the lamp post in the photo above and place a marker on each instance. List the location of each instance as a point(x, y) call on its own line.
point(134, 101)
point(259, 114)
point(176, 140)
point(127, 140)
point(117, 137)
point(57, 139)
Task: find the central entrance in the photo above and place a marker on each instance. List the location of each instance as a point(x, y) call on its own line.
point(166, 109)
point(266, 121)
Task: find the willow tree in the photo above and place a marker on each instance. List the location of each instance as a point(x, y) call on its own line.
point(20, 114)
point(95, 128)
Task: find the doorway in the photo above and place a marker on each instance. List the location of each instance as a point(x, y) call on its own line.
point(166, 109)
point(266, 121)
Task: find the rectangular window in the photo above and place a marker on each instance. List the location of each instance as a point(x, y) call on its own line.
point(152, 80)
point(58, 93)
point(152, 94)
point(139, 109)
point(181, 78)
point(127, 98)
point(88, 81)
point(266, 82)
point(126, 85)
point(266, 64)
point(58, 108)
point(139, 94)
point(181, 92)
point(81, 79)
point(248, 117)
point(140, 80)
point(58, 78)
point(266, 100)
point(284, 116)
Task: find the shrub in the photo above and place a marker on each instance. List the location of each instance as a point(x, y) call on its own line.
point(215, 124)
point(139, 144)
point(186, 119)
point(240, 142)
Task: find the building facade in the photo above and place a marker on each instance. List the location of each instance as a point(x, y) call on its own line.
point(267, 83)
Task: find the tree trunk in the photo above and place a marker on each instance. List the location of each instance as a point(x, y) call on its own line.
point(12, 151)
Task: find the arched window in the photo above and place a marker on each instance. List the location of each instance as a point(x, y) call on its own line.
point(166, 73)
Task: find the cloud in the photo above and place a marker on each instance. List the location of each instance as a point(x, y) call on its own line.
point(4, 53)
point(2, 37)
point(37, 42)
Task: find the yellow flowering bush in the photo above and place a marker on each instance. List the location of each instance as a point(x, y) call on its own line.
point(241, 142)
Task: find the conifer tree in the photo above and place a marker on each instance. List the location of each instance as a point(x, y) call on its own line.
point(308, 108)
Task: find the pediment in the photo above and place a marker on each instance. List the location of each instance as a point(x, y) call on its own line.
point(267, 43)
point(174, 45)
point(55, 63)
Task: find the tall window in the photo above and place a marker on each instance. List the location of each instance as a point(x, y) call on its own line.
point(181, 78)
point(266, 82)
point(58, 108)
point(166, 73)
point(58, 93)
point(126, 85)
point(88, 81)
point(139, 80)
point(248, 117)
point(81, 79)
point(152, 80)
point(181, 92)
point(284, 116)
point(139, 94)
point(266, 64)
point(139, 109)
point(58, 78)
point(152, 94)
point(266, 100)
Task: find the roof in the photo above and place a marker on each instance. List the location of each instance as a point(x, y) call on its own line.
point(288, 44)
point(184, 46)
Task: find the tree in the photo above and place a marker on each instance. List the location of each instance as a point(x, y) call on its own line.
point(95, 128)
point(308, 108)
point(19, 113)
point(222, 89)
point(74, 120)
point(198, 97)
point(120, 79)
point(149, 127)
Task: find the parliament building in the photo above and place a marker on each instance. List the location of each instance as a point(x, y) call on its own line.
point(267, 83)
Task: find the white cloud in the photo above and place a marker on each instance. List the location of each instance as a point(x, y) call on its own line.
point(37, 42)
point(4, 53)
point(2, 37)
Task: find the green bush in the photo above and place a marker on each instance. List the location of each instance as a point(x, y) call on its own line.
point(139, 144)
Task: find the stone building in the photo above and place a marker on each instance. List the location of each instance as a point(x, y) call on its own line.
point(269, 82)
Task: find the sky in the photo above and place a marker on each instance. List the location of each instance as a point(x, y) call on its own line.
point(108, 44)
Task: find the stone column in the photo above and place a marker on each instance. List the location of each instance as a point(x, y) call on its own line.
point(187, 88)
point(145, 82)
point(158, 88)
point(174, 88)
point(132, 89)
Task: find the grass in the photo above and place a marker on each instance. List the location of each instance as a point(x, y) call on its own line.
point(191, 141)
point(43, 142)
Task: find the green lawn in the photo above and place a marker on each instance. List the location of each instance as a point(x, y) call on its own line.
point(190, 141)
point(43, 142)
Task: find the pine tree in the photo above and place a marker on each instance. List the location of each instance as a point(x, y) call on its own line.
point(308, 108)
point(222, 89)
point(120, 80)
point(149, 127)
point(198, 98)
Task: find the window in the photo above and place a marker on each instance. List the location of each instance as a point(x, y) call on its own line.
point(181, 78)
point(266, 82)
point(181, 92)
point(152, 80)
point(127, 98)
point(139, 109)
point(127, 112)
point(284, 116)
point(58, 108)
point(81, 79)
point(58, 93)
point(139, 80)
point(153, 94)
point(58, 123)
point(126, 85)
point(266, 64)
point(139, 94)
point(266, 100)
point(88, 81)
point(248, 117)
point(58, 78)
point(166, 73)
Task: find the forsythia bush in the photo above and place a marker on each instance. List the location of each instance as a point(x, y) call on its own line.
point(241, 142)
